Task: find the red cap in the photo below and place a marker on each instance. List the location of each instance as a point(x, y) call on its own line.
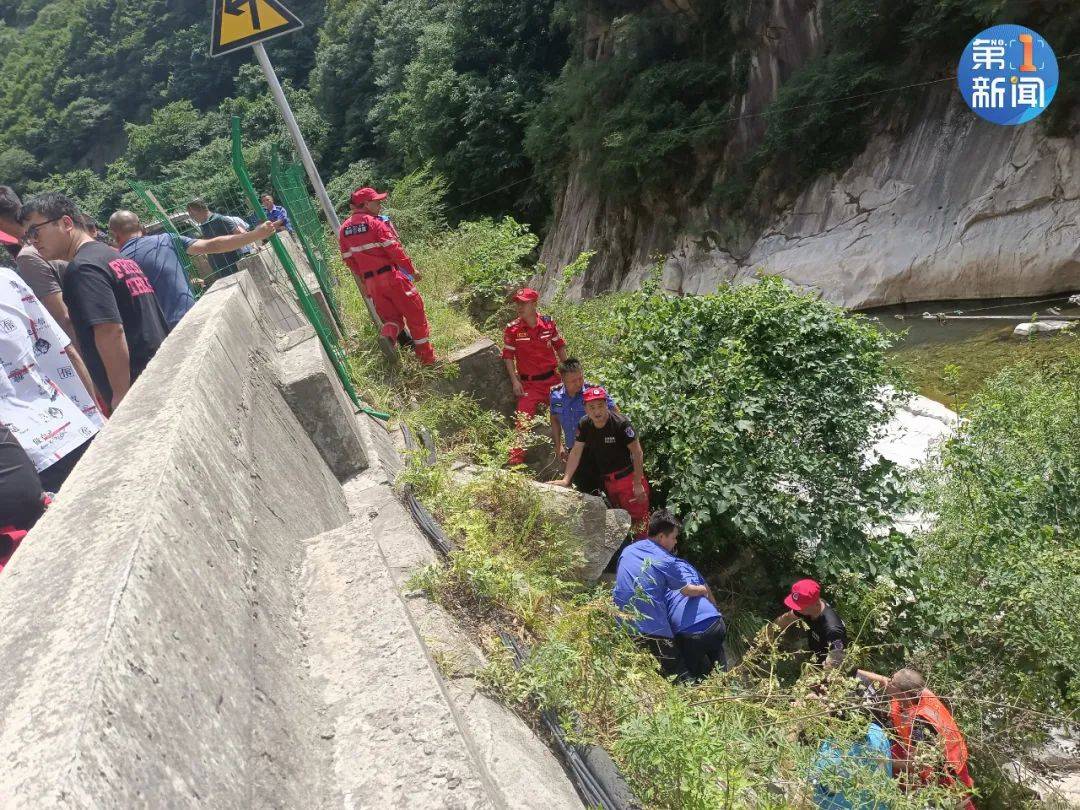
point(7, 239)
point(526, 294)
point(365, 194)
point(804, 592)
point(592, 394)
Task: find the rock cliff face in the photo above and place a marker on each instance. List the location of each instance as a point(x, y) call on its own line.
point(940, 205)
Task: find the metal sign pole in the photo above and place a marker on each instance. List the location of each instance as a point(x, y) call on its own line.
point(297, 136)
point(313, 175)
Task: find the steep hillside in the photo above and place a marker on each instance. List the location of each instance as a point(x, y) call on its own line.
point(74, 72)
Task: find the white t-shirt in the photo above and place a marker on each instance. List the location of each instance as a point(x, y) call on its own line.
point(42, 400)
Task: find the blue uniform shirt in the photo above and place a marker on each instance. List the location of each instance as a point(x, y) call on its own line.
point(690, 614)
point(278, 214)
point(646, 567)
point(571, 410)
point(156, 255)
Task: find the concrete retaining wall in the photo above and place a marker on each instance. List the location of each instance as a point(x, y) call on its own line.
point(149, 624)
point(208, 617)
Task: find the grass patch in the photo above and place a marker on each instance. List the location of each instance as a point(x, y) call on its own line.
point(952, 373)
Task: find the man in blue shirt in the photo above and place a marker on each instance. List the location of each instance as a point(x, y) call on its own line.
point(647, 571)
point(698, 625)
point(567, 407)
point(275, 213)
point(156, 255)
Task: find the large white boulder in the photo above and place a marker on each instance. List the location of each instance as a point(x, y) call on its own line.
point(1035, 328)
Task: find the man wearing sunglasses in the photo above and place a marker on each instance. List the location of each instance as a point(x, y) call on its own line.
point(116, 316)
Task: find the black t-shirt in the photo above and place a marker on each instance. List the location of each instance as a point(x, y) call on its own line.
point(827, 633)
point(20, 489)
point(101, 286)
point(224, 264)
point(607, 447)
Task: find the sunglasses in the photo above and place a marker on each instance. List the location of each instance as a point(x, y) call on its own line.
point(34, 231)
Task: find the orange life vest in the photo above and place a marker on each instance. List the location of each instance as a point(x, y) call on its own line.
point(933, 711)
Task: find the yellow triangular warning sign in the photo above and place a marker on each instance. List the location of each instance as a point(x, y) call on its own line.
point(242, 23)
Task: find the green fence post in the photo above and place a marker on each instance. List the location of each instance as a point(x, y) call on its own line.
point(307, 304)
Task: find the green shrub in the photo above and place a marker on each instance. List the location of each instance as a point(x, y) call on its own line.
point(1000, 570)
point(756, 406)
point(488, 257)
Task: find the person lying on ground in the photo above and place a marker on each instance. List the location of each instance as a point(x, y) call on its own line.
point(928, 746)
point(567, 408)
point(843, 775)
point(157, 255)
point(118, 322)
point(825, 629)
point(609, 442)
point(646, 571)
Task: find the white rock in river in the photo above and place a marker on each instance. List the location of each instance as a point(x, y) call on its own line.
point(1033, 328)
point(915, 430)
point(910, 438)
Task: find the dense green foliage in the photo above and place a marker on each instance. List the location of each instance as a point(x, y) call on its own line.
point(500, 99)
point(999, 580)
point(636, 116)
point(757, 405)
point(73, 72)
point(661, 98)
point(739, 739)
point(450, 83)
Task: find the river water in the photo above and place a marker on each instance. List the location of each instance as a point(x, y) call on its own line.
point(929, 331)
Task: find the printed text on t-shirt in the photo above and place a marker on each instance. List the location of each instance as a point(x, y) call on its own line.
point(132, 275)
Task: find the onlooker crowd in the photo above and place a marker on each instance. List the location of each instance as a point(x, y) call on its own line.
point(79, 322)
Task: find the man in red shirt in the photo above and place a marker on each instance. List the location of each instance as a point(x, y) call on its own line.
point(372, 251)
point(532, 349)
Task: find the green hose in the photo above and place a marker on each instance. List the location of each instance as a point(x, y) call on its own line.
point(377, 414)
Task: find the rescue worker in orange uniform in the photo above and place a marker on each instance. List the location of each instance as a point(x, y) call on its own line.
point(532, 349)
point(372, 251)
point(921, 726)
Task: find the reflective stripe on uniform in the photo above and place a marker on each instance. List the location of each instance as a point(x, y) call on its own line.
point(420, 341)
point(510, 348)
point(361, 248)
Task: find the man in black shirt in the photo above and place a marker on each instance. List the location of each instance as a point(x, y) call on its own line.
point(214, 225)
point(117, 320)
point(826, 631)
point(613, 448)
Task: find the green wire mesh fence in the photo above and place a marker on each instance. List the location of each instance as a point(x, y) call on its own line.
point(168, 206)
point(291, 189)
point(327, 336)
point(231, 204)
